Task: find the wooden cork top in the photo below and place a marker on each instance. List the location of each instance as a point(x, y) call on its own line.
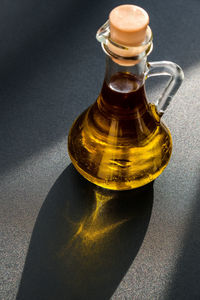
point(128, 24)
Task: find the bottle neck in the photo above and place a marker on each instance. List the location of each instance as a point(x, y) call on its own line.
point(123, 88)
point(136, 71)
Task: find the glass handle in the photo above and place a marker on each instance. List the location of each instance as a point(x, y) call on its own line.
point(166, 68)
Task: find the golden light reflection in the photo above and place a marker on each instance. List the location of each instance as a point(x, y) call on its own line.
point(95, 226)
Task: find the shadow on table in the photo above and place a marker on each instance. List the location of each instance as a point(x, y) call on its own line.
point(84, 240)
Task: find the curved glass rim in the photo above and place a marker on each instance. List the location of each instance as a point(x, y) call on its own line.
point(103, 36)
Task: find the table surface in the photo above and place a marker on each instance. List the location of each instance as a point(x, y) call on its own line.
point(62, 237)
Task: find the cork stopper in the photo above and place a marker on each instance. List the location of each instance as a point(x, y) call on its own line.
point(128, 24)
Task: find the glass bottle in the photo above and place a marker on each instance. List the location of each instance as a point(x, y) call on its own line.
point(120, 142)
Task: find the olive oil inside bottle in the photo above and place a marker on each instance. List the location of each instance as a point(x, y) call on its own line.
point(120, 142)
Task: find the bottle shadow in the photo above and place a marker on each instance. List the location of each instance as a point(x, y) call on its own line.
point(84, 240)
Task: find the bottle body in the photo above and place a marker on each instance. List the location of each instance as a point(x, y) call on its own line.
point(120, 142)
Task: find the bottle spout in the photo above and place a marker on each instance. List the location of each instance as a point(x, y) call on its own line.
point(126, 36)
point(103, 33)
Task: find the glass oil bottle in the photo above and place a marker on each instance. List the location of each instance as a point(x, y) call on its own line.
point(120, 142)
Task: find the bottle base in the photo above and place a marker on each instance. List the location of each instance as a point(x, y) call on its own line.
point(116, 153)
point(116, 185)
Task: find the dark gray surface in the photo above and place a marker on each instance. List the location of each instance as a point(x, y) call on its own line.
point(84, 240)
point(51, 68)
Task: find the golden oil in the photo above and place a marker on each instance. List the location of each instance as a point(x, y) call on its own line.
point(120, 142)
